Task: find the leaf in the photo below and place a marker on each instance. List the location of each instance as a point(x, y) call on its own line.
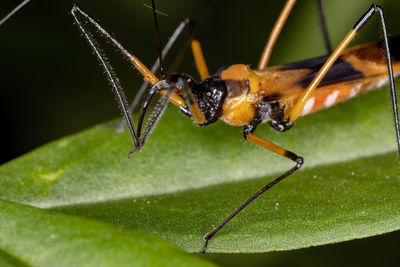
point(7, 260)
point(188, 179)
point(36, 237)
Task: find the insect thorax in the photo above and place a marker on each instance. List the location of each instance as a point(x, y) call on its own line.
point(245, 101)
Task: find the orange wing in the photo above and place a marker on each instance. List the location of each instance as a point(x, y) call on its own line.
point(357, 70)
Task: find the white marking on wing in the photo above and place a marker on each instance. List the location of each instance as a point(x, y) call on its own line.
point(355, 90)
point(330, 100)
point(308, 106)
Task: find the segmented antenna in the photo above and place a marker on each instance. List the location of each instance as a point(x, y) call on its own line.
point(15, 10)
point(324, 29)
point(157, 33)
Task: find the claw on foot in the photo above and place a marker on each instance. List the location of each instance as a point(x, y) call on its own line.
point(133, 151)
point(205, 246)
point(207, 238)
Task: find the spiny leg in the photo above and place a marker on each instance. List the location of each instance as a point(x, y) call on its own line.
point(15, 10)
point(113, 80)
point(156, 113)
point(252, 138)
point(273, 36)
point(145, 72)
point(153, 69)
point(297, 109)
point(156, 64)
point(324, 29)
point(147, 75)
point(200, 64)
point(199, 61)
point(196, 51)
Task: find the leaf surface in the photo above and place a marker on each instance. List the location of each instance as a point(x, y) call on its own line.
point(188, 179)
point(34, 237)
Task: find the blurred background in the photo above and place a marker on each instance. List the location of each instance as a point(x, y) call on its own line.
point(51, 85)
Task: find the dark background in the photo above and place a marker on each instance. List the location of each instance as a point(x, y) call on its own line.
point(51, 84)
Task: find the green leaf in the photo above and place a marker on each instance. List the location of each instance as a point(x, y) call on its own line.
point(35, 237)
point(188, 179)
point(6, 260)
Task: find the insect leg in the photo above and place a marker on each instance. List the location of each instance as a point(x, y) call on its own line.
point(273, 36)
point(199, 60)
point(113, 80)
point(199, 20)
point(156, 64)
point(156, 114)
point(80, 16)
point(171, 41)
point(298, 107)
point(197, 52)
point(146, 73)
point(154, 68)
point(252, 138)
point(324, 29)
point(157, 31)
point(12, 12)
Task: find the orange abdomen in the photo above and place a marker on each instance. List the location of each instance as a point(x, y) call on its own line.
point(357, 70)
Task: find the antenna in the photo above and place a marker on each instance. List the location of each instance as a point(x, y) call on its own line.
point(157, 33)
point(15, 10)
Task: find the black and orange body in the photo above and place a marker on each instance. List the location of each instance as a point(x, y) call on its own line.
point(241, 96)
point(358, 70)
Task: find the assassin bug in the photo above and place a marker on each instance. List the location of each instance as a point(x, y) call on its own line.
point(244, 97)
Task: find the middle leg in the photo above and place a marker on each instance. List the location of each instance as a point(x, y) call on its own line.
point(252, 138)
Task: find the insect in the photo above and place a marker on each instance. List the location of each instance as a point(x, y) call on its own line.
point(241, 96)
